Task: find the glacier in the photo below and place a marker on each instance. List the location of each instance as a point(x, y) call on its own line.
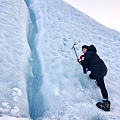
point(40, 78)
point(14, 54)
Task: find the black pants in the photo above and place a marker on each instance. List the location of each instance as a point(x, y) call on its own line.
point(99, 76)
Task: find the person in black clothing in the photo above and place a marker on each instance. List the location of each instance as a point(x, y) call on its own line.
point(92, 62)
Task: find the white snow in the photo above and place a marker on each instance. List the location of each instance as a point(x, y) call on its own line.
point(57, 89)
point(14, 54)
point(12, 118)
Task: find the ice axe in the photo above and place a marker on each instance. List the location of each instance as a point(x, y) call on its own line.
point(73, 47)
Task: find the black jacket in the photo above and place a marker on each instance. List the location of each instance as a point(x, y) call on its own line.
point(92, 61)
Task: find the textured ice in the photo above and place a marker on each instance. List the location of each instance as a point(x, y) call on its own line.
point(14, 54)
point(66, 92)
point(39, 69)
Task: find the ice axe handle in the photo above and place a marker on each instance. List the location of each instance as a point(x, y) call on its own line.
point(75, 51)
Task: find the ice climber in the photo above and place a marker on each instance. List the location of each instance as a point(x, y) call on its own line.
point(90, 61)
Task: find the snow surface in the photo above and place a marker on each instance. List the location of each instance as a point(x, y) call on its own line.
point(56, 88)
point(14, 54)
